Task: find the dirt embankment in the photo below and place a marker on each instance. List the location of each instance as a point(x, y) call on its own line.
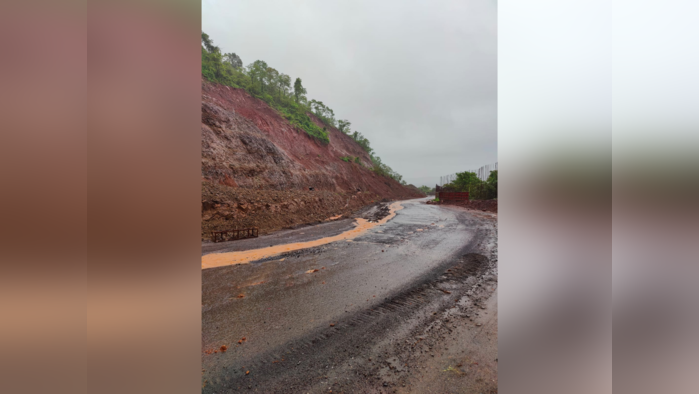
point(480, 205)
point(259, 170)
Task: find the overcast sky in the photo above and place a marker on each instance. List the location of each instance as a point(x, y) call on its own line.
point(417, 78)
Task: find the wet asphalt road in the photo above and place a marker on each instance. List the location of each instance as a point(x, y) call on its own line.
point(281, 309)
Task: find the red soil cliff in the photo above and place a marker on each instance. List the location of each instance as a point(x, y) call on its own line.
point(258, 169)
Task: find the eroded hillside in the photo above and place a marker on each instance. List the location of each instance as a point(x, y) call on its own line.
point(259, 170)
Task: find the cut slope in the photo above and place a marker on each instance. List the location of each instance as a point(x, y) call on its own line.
point(259, 170)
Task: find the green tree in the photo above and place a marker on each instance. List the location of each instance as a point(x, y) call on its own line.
point(384, 170)
point(208, 43)
point(233, 59)
point(362, 141)
point(492, 183)
point(283, 84)
point(271, 77)
point(469, 182)
point(257, 71)
point(426, 189)
point(493, 178)
point(464, 180)
point(344, 126)
point(317, 107)
point(299, 90)
point(330, 117)
point(323, 112)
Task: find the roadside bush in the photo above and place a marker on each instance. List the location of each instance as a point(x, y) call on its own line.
point(478, 189)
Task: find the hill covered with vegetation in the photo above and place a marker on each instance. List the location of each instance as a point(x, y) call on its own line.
point(289, 99)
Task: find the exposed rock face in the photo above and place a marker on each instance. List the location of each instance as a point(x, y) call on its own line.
point(259, 170)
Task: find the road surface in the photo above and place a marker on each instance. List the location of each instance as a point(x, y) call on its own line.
point(408, 306)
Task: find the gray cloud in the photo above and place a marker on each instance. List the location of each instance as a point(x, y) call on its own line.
point(418, 78)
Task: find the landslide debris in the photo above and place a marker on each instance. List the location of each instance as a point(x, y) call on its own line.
point(375, 212)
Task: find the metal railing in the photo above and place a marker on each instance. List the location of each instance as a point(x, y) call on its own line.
point(232, 235)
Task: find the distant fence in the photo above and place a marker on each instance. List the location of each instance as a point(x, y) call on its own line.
point(482, 173)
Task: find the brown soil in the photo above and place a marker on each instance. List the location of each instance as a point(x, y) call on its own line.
point(480, 205)
point(258, 170)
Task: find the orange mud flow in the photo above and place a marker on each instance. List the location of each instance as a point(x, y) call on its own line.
point(246, 256)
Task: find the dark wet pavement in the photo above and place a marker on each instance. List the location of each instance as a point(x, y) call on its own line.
point(274, 302)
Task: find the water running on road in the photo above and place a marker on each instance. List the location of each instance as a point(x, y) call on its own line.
point(242, 257)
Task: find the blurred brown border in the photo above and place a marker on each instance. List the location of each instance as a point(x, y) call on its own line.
point(144, 73)
point(100, 109)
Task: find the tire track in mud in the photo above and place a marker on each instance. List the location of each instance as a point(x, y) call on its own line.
point(358, 353)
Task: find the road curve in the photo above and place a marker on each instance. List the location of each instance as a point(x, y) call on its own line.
point(288, 320)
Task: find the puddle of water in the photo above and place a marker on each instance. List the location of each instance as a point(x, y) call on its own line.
point(360, 227)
